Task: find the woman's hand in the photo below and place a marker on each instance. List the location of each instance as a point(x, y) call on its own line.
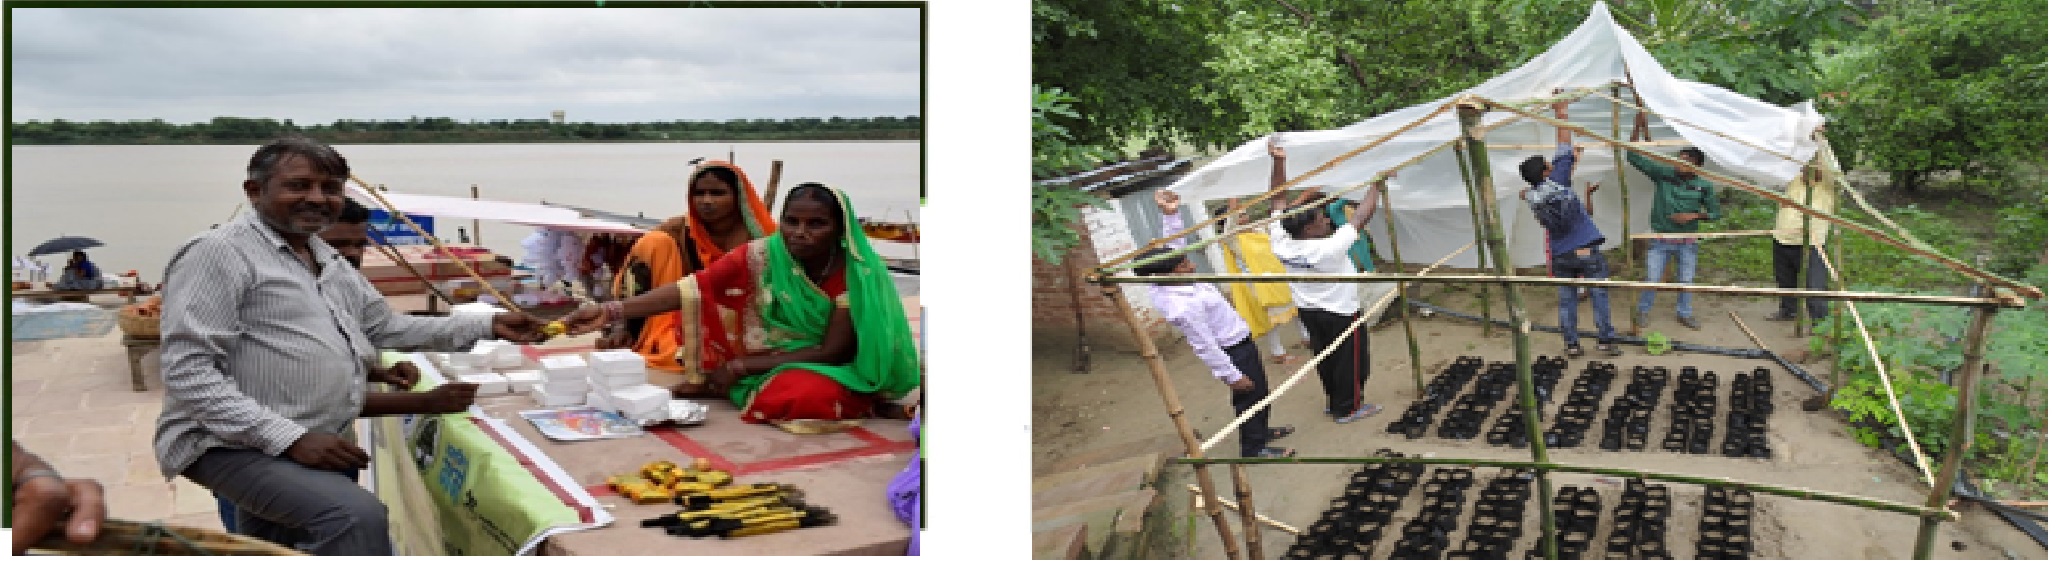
point(519, 327)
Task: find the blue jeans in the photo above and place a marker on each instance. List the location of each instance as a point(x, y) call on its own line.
point(1592, 266)
point(1655, 267)
point(229, 511)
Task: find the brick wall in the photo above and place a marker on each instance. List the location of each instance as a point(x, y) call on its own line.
point(1055, 320)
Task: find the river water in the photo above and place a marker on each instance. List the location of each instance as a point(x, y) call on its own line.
point(142, 201)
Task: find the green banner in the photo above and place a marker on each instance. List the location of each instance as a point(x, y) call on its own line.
point(491, 493)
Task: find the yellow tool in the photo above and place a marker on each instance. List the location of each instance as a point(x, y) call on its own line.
point(714, 477)
point(555, 328)
point(650, 494)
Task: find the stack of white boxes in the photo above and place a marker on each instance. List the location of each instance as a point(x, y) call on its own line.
point(618, 378)
point(525, 381)
point(565, 383)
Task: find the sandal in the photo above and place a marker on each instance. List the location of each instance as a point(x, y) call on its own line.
point(1282, 359)
point(1281, 432)
point(1275, 452)
point(1574, 351)
point(1608, 349)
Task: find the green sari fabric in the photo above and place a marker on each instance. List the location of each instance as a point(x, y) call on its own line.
point(796, 314)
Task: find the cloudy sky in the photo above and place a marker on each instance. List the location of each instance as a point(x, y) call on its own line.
point(315, 66)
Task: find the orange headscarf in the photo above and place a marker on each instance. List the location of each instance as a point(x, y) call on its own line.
point(666, 252)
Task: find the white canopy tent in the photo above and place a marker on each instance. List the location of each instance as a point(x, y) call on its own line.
point(1429, 197)
point(538, 215)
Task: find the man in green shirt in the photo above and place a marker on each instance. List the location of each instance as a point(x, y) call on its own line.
point(1680, 200)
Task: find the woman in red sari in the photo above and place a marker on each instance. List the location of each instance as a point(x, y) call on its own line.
point(803, 330)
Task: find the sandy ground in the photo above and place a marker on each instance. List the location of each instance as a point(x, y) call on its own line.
point(1117, 402)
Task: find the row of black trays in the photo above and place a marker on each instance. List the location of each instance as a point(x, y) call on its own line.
point(1726, 527)
point(1352, 524)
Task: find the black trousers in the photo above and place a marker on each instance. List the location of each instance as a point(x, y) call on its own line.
point(1256, 431)
point(1343, 372)
point(1788, 261)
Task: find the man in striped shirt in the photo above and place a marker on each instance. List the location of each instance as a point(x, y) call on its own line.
point(267, 337)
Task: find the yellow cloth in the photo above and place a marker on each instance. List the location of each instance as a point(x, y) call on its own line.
point(1823, 198)
point(1254, 300)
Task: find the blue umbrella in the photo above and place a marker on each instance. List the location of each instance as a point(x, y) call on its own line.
point(63, 244)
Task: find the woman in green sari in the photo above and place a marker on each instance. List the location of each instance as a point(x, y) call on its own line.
point(811, 331)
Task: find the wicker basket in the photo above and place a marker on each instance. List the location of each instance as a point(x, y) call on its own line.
point(136, 325)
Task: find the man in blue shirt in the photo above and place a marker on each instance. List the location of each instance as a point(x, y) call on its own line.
point(1575, 241)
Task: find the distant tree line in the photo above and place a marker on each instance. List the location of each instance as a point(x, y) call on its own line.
point(227, 130)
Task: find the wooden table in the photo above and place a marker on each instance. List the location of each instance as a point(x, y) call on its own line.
point(138, 346)
point(75, 295)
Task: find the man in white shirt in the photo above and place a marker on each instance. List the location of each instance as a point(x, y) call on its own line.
point(1309, 244)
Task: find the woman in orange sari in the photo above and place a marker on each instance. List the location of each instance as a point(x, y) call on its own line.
point(725, 212)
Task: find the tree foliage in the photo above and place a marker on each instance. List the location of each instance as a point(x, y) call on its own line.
point(1938, 87)
point(1055, 207)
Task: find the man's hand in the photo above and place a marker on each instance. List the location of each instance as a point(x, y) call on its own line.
point(1684, 217)
point(519, 327)
point(1277, 152)
point(448, 399)
point(1167, 201)
point(44, 500)
point(586, 319)
point(327, 452)
point(403, 375)
point(1591, 187)
point(1242, 385)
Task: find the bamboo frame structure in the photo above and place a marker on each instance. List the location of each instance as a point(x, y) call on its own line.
point(1312, 363)
point(1261, 519)
point(1407, 320)
point(1615, 130)
point(1468, 120)
point(1486, 313)
point(2001, 293)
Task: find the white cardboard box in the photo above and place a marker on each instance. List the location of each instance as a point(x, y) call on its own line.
point(564, 367)
point(641, 399)
point(602, 381)
point(565, 386)
point(523, 381)
point(617, 362)
point(599, 401)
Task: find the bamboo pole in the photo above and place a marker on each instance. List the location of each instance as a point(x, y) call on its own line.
point(1963, 428)
point(1486, 312)
point(1094, 273)
point(1748, 332)
point(477, 223)
point(1809, 195)
point(1251, 535)
point(1924, 463)
point(2007, 301)
point(1777, 490)
point(383, 199)
point(1963, 268)
point(1469, 114)
point(1265, 520)
point(1723, 234)
point(396, 255)
point(775, 177)
point(1654, 143)
point(1311, 363)
point(1288, 185)
point(1838, 375)
point(1407, 322)
point(1176, 411)
point(1615, 130)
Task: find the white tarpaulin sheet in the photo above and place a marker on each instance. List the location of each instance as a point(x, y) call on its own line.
point(513, 212)
point(1429, 196)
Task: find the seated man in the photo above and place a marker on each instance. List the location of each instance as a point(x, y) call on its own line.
point(266, 341)
point(349, 237)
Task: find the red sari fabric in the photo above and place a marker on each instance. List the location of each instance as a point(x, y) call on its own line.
point(729, 288)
